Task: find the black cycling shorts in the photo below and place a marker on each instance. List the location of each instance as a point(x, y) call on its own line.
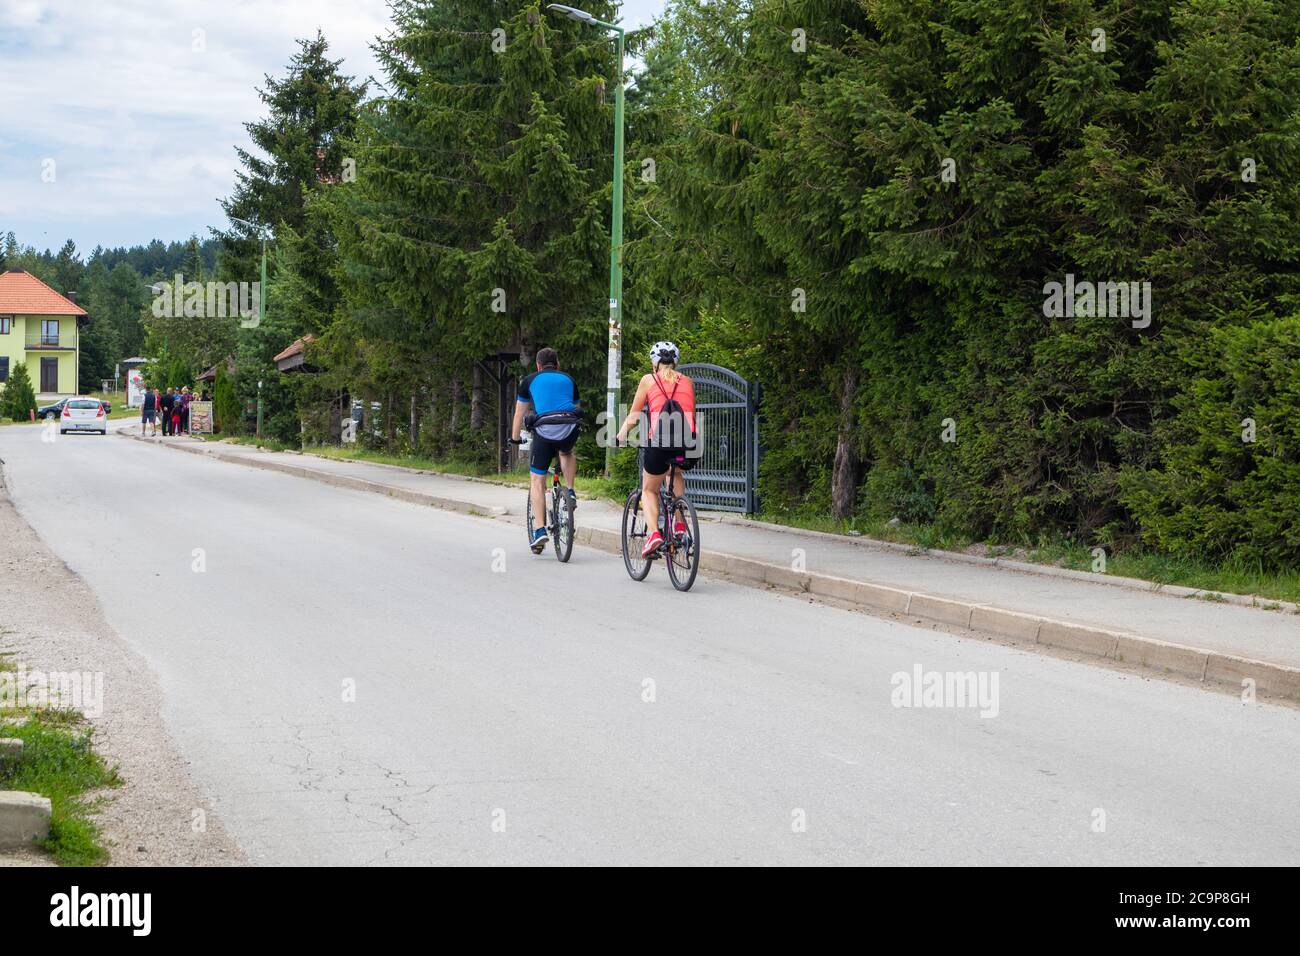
point(656, 460)
point(543, 450)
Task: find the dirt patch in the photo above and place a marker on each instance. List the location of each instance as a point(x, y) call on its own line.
point(51, 622)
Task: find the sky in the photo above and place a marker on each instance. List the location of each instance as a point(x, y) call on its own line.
point(120, 118)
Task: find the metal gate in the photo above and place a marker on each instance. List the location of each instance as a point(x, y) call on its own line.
point(725, 475)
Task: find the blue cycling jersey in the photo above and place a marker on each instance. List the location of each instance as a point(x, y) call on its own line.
point(549, 391)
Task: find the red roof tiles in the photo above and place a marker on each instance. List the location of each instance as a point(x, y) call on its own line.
point(21, 293)
point(295, 347)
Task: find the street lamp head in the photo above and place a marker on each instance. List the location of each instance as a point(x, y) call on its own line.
point(261, 230)
point(573, 13)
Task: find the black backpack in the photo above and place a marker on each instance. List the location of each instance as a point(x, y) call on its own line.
point(670, 427)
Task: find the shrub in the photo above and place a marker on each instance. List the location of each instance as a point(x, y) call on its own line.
point(1216, 489)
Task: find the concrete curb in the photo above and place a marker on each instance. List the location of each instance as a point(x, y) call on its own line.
point(24, 819)
point(1025, 567)
point(1207, 666)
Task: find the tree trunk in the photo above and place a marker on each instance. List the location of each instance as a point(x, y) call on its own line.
point(476, 401)
point(415, 421)
point(453, 418)
point(844, 476)
point(338, 407)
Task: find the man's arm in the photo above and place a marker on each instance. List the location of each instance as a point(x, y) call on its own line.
point(521, 409)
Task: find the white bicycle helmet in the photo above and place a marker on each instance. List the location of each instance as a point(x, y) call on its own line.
point(664, 352)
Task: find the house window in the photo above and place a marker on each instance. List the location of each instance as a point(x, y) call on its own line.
point(49, 331)
point(6, 323)
point(4, 368)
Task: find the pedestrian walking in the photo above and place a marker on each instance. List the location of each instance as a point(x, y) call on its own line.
point(149, 413)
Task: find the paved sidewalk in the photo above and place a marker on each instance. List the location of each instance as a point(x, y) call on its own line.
point(1245, 632)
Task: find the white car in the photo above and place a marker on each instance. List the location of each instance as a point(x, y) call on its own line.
point(83, 415)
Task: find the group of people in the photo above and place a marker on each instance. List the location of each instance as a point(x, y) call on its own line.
point(547, 403)
point(171, 407)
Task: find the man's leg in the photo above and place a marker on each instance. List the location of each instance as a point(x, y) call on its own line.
point(537, 492)
point(569, 465)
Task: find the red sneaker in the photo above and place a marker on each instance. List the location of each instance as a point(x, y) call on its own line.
point(652, 544)
point(679, 527)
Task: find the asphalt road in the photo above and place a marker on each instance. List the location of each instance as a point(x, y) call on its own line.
point(539, 713)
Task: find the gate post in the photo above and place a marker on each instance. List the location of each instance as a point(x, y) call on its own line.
point(755, 449)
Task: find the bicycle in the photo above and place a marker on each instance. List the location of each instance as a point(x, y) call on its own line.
point(559, 516)
point(681, 552)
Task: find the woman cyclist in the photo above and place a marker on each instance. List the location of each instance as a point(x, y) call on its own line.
point(670, 396)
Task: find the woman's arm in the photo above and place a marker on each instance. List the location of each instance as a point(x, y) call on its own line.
point(638, 403)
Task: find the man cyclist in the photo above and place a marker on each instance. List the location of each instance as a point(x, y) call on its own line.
point(548, 405)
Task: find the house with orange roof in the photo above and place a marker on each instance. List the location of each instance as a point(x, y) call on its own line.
point(41, 328)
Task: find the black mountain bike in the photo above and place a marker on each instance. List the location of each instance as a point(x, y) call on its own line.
point(559, 508)
point(680, 551)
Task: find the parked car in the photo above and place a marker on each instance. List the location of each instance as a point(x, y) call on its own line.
point(83, 415)
point(51, 412)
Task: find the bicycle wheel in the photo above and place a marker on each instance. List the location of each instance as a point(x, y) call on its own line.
point(682, 551)
point(530, 522)
point(561, 523)
point(634, 532)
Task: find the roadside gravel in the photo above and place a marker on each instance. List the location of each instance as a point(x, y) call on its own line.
point(50, 621)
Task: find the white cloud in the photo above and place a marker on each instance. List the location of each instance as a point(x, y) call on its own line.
point(143, 127)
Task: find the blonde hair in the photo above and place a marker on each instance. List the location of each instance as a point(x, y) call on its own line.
point(670, 368)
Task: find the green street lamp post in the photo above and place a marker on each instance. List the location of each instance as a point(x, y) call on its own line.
point(614, 371)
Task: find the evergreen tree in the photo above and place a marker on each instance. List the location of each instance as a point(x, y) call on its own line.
point(18, 400)
point(478, 217)
point(184, 332)
point(126, 297)
point(98, 340)
point(312, 111)
point(68, 269)
point(312, 116)
point(225, 406)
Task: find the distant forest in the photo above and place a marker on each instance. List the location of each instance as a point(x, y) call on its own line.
point(150, 261)
point(113, 286)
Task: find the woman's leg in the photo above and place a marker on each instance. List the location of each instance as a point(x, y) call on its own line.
point(650, 485)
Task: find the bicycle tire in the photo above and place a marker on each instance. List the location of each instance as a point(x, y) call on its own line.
point(633, 537)
point(683, 557)
point(562, 526)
